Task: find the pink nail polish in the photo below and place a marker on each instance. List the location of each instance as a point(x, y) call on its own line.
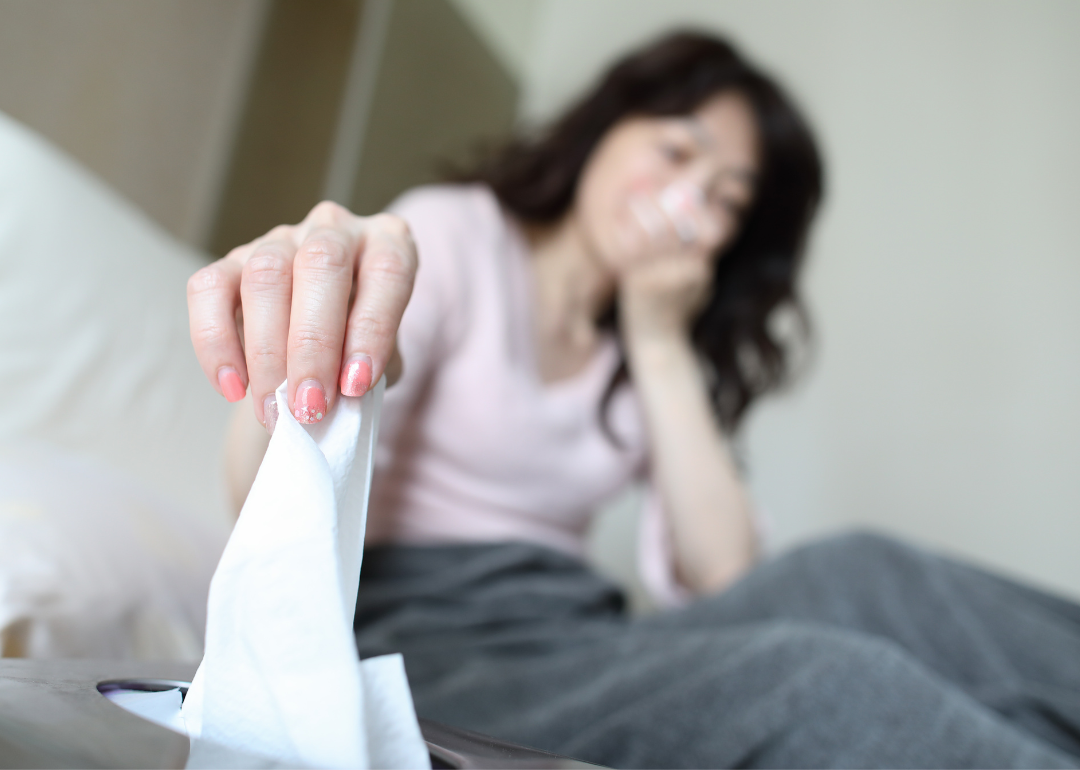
point(356, 376)
point(270, 413)
point(231, 384)
point(309, 406)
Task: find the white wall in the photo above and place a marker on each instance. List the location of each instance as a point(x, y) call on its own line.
point(943, 404)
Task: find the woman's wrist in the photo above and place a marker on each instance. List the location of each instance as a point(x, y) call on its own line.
point(652, 314)
point(655, 358)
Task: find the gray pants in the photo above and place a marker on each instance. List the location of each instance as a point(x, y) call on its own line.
point(857, 651)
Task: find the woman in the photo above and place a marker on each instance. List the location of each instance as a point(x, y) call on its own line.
point(592, 308)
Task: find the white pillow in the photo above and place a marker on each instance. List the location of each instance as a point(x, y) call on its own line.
point(95, 358)
point(93, 566)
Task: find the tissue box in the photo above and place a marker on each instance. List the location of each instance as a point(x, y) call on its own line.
point(54, 714)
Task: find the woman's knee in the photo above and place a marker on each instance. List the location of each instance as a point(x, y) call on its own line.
point(859, 558)
point(853, 581)
point(837, 676)
point(862, 545)
point(725, 697)
point(823, 696)
point(810, 650)
point(850, 567)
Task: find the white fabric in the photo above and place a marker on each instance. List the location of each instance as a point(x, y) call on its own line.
point(95, 353)
point(98, 374)
point(281, 676)
point(94, 565)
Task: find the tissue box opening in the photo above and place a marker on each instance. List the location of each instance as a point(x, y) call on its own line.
point(448, 747)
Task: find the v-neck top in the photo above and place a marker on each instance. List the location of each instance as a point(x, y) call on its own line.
point(473, 445)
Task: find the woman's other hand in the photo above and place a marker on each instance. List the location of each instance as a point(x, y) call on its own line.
point(669, 279)
point(318, 303)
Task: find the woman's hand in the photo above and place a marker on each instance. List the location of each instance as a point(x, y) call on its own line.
point(668, 281)
point(318, 303)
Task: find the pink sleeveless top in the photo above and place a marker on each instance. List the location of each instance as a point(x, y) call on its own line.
point(473, 445)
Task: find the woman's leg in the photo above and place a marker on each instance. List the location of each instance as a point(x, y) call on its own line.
point(1012, 648)
point(529, 645)
point(775, 694)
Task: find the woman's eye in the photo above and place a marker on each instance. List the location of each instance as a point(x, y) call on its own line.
point(730, 208)
point(675, 153)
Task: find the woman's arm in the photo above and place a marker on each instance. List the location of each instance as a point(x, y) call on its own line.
point(246, 441)
point(708, 510)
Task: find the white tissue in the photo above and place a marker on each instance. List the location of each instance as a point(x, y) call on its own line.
point(161, 707)
point(280, 677)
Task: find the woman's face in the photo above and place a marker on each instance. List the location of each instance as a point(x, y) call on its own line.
point(654, 181)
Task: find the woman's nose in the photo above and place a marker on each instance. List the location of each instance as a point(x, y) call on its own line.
point(682, 196)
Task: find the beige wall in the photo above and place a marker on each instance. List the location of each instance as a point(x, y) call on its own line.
point(438, 95)
point(357, 103)
point(221, 118)
point(283, 142)
point(944, 403)
point(144, 92)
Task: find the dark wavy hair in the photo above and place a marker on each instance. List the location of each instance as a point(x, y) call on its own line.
point(536, 178)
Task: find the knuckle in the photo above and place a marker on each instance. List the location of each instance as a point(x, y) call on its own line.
point(374, 327)
point(266, 268)
point(207, 279)
point(263, 353)
point(280, 233)
point(316, 341)
point(238, 254)
point(392, 225)
point(390, 265)
point(327, 212)
point(396, 231)
point(322, 252)
point(208, 335)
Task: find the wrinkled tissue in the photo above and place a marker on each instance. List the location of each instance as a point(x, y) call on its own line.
point(280, 678)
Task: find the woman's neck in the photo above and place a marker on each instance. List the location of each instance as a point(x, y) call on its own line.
point(573, 288)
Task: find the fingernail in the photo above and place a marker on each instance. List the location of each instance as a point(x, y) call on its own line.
point(310, 403)
point(270, 413)
point(231, 384)
point(356, 376)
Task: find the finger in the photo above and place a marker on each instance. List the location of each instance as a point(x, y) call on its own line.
point(685, 206)
point(677, 206)
point(213, 298)
point(649, 217)
point(322, 281)
point(385, 277)
point(266, 296)
point(708, 228)
point(662, 230)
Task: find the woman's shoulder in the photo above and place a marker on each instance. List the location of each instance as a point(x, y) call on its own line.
point(461, 234)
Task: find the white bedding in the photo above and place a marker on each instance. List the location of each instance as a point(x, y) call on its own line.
point(97, 374)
